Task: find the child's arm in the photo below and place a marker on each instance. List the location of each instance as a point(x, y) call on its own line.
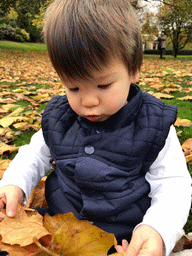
point(170, 184)
point(25, 171)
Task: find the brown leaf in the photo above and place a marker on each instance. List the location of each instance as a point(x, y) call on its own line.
point(7, 100)
point(37, 196)
point(16, 250)
point(21, 229)
point(4, 164)
point(183, 244)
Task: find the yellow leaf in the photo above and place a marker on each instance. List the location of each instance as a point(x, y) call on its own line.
point(160, 95)
point(4, 148)
point(185, 98)
point(9, 120)
point(188, 158)
point(16, 112)
point(77, 237)
point(182, 122)
point(19, 90)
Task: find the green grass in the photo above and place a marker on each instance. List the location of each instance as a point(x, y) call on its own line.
point(15, 46)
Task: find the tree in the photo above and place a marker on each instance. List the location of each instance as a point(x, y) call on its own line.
point(39, 17)
point(5, 6)
point(175, 17)
point(27, 9)
point(148, 25)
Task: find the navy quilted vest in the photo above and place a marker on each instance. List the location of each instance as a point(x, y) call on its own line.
point(100, 167)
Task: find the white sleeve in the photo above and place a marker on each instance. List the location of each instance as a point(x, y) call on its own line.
point(170, 184)
point(30, 164)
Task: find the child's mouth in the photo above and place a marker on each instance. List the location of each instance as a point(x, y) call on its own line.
point(93, 118)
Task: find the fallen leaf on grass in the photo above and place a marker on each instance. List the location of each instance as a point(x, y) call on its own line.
point(185, 98)
point(187, 148)
point(24, 126)
point(182, 122)
point(9, 120)
point(160, 95)
point(4, 148)
point(168, 90)
point(187, 145)
point(7, 100)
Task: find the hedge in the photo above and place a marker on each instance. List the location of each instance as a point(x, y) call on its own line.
point(169, 52)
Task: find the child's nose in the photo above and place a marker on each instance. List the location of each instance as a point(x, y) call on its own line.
point(90, 101)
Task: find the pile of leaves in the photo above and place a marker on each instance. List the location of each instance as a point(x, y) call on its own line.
point(28, 233)
point(27, 83)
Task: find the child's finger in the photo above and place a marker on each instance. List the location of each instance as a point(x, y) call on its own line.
point(11, 206)
point(119, 248)
point(122, 248)
point(125, 244)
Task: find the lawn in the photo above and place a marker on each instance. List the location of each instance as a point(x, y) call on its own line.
point(28, 81)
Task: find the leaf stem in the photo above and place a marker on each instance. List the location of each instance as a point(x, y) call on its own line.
point(35, 240)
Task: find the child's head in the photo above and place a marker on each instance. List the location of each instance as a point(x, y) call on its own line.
point(83, 35)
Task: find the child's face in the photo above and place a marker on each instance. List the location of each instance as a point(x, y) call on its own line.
point(101, 97)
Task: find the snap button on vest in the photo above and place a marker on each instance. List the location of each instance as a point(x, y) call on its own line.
point(89, 150)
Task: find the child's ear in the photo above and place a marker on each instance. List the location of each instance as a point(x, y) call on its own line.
point(135, 77)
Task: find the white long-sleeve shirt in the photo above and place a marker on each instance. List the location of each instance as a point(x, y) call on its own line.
point(168, 177)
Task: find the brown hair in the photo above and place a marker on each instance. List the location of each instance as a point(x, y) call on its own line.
point(82, 35)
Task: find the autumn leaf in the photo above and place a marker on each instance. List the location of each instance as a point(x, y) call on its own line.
point(85, 238)
point(188, 158)
point(37, 196)
point(7, 100)
point(185, 98)
point(4, 148)
point(185, 242)
point(24, 126)
point(22, 228)
point(160, 95)
point(4, 164)
point(182, 122)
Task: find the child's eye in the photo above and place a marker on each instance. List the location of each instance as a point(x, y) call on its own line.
point(104, 86)
point(74, 89)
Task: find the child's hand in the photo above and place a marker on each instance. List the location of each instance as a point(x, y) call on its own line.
point(145, 241)
point(11, 196)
